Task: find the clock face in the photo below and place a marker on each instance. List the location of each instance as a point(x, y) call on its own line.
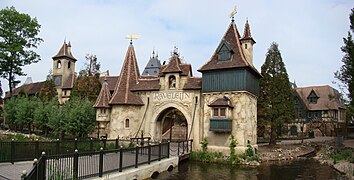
point(57, 80)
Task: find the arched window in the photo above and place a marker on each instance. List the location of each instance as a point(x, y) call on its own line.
point(59, 64)
point(245, 46)
point(172, 82)
point(126, 123)
point(69, 63)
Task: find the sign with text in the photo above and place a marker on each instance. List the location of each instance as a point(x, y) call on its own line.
point(173, 95)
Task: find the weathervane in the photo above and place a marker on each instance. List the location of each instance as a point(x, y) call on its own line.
point(232, 14)
point(131, 37)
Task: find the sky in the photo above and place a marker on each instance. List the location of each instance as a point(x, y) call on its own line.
point(309, 32)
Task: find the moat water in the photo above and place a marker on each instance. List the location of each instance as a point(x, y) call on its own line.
point(296, 169)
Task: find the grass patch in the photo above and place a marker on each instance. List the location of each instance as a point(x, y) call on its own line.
point(343, 154)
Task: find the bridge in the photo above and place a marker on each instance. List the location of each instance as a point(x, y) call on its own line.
point(137, 161)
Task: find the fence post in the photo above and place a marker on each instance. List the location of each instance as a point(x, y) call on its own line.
point(57, 147)
point(136, 155)
point(168, 149)
point(104, 143)
point(149, 153)
point(76, 164)
point(120, 158)
point(160, 151)
point(36, 149)
point(12, 156)
point(75, 144)
point(91, 145)
point(100, 165)
point(42, 171)
point(23, 175)
point(178, 148)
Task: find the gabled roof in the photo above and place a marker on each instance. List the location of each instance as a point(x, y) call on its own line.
point(65, 51)
point(221, 102)
point(328, 98)
point(129, 76)
point(111, 80)
point(104, 97)
point(193, 83)
point(173, 65)
point(28, 89)
point(238, 60)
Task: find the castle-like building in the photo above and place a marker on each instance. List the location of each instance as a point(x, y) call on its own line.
point(169, 103)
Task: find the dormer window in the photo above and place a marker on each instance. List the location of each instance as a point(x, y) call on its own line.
point(224, 52)
point(312, 98)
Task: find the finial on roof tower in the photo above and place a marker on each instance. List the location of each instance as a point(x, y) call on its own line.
point(232, 14)
point(131, 37)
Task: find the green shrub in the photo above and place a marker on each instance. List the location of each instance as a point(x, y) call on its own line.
point(204, 144)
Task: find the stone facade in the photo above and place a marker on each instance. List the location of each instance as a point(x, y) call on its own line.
point(174, 105)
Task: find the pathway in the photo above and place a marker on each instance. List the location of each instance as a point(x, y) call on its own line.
point(14, 171)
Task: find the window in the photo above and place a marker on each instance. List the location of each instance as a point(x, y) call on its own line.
point(103, 111)
point(172, 82)
point(219, 112)
point(312, 98)
point(127, 123)
point(69, 63)
point(59, 64)
point(245, 46)
point(64, 93)
point(224, 52)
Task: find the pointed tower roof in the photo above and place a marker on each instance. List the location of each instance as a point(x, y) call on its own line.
point(247, 33)
point(173, 66)
point(129, 76)
point(230, 40)
point(104, 96)
point(153, 66)
point(65, 51)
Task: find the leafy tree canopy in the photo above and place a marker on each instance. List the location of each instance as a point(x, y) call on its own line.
point(18, 37)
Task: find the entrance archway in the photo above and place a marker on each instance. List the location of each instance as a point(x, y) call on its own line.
point(173, 125)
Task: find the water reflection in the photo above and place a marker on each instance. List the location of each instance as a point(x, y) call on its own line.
point(298, 169)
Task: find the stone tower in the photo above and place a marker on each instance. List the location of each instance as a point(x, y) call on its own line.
point(230, 86)
point(64, 72)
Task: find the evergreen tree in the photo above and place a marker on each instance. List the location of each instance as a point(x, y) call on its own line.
point(346, 72)
point(18, 35)
point(275, 103)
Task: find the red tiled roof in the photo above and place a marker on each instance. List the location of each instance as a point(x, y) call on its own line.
point(172, 66)
point(104, 97)
point(329, 97)
point(147, 85)
point(221, 102)
point(129, 76)
point(28, 89)
point(65, 51)
point(232, 38)
point(193, 83)
point(111, 80)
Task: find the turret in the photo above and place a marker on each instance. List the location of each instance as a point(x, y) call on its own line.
point(247, 43)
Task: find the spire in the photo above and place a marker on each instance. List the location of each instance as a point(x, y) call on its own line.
point(65, 51)
point(247, 33)
point(129, 76)
point(104, 96)
point(174, 63)
point(152, 68)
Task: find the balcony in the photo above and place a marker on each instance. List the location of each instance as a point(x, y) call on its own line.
point(220, 125)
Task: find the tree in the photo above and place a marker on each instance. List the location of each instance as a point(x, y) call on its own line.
point(48, 91)
point(18, 37)
point(10, 113)
point(25, 107)
point(87, 87)
point(42, 113)
point(275, 103)
point(92, 67)
point(346, 72)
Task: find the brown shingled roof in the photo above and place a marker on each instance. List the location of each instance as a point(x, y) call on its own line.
point(232, 38)
point(221, 102)
point(111, 80)
point(329, 97)
point(104, 97)
point(247, 33)
point(193, 83)
point(28, 89)
point(129, 76)
point(172, 66)
point(65, 51)
point(147, 85)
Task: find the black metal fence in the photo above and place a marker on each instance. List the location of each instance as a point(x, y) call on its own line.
point(80, 165)
point(24, 151)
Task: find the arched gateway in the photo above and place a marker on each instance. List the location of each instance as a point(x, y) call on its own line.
point(173, 104)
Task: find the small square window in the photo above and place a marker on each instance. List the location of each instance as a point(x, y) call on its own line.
point(219, 112)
